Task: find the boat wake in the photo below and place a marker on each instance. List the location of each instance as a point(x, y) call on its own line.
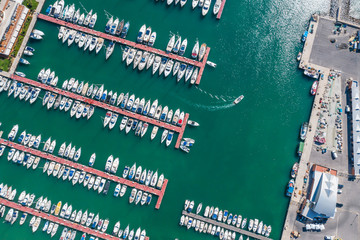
point(213, 108)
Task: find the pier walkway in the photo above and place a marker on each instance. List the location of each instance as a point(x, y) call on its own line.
point(91, 170)
point(57, 220)
point(179, 58)
point(225, 226)
point(218, 16)
point(179, 130)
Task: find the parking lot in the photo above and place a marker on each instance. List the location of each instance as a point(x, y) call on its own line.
point(327, 54)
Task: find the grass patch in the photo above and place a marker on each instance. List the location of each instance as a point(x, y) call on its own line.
point(21, 36)
point(30, 4)
point(5, 64)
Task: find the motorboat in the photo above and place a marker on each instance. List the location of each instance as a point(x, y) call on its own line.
point(87, 18)
point(183, 47)
point(154, 132)
point(163, 63)
point(126, 52)
point(123, 123)
point(168, 67)
point(217, 6)
point(303, 130)
point(109, 50)
point(290, 188)
point(92, 160)
point(314, 87)
point(119, 28)
point(109, 163)
point(93, 43)
point(169, 138)
point(144, 60)
point(150, 60)
point(141, 34)
point(238, 99)
point(206, 7)
point(156, 64)
point(170, 44)
point(194, 4)
point(93, 20)
point(195, 50)
point(194, 76)
point(109, 24)
point(125, 30)
point(114, 26)
point(113, 120)
point(202, 51)
point(130, 56)
point(181, 72)
point(99, 45)
point(137, 59)
point(152, 39)
point(177, 45)
point(182, 2)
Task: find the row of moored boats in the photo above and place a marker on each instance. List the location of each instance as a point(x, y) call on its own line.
point(203, 4)
point(65, 211)
point(224, 217)
point(17, 89)
point(70, 14)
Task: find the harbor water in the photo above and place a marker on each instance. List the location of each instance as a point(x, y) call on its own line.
point(243, 154)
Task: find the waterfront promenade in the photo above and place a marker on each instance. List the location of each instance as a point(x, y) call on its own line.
point(60, 221)
point(91, 170)
point(123, 41)
point(304, 165)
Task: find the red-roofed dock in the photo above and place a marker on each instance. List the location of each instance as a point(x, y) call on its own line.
point(58, 220)
point(179, 130)
point(179, 58)
point(218, 16)
point(91, 170)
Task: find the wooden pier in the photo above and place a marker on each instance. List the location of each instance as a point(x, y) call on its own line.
point(130, 114)
point(218, 16)
point(225, 226)
point(93, 171)
point(58, 220)
point(123, 41)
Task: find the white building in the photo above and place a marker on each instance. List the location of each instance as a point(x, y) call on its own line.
point(321, 202)
point(355, 102)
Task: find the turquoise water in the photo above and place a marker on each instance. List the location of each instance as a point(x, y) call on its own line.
point(243, 154)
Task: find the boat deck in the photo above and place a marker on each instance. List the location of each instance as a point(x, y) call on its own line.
point(58, 220)
point(179, 58)
point(218, 16)
point(225, 226)
point(179, 130)
point(78, 166)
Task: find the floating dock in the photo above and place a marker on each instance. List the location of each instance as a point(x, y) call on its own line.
point(58, 220)
point(176, 57)
point(179, 130)
point(218, 16)
point(78, 166)
point(225, 226)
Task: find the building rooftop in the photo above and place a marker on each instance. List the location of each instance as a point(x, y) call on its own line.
point(356, 125)
point(13, 17)
point(322, 200)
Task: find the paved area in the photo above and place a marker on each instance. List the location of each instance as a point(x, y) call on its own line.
point(329, 55)
point(321, 54)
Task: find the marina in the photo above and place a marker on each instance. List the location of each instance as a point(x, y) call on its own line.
point(179, 130)
point(224, 226)
point(160, 193)
point(57, 220)
point(179, 58)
